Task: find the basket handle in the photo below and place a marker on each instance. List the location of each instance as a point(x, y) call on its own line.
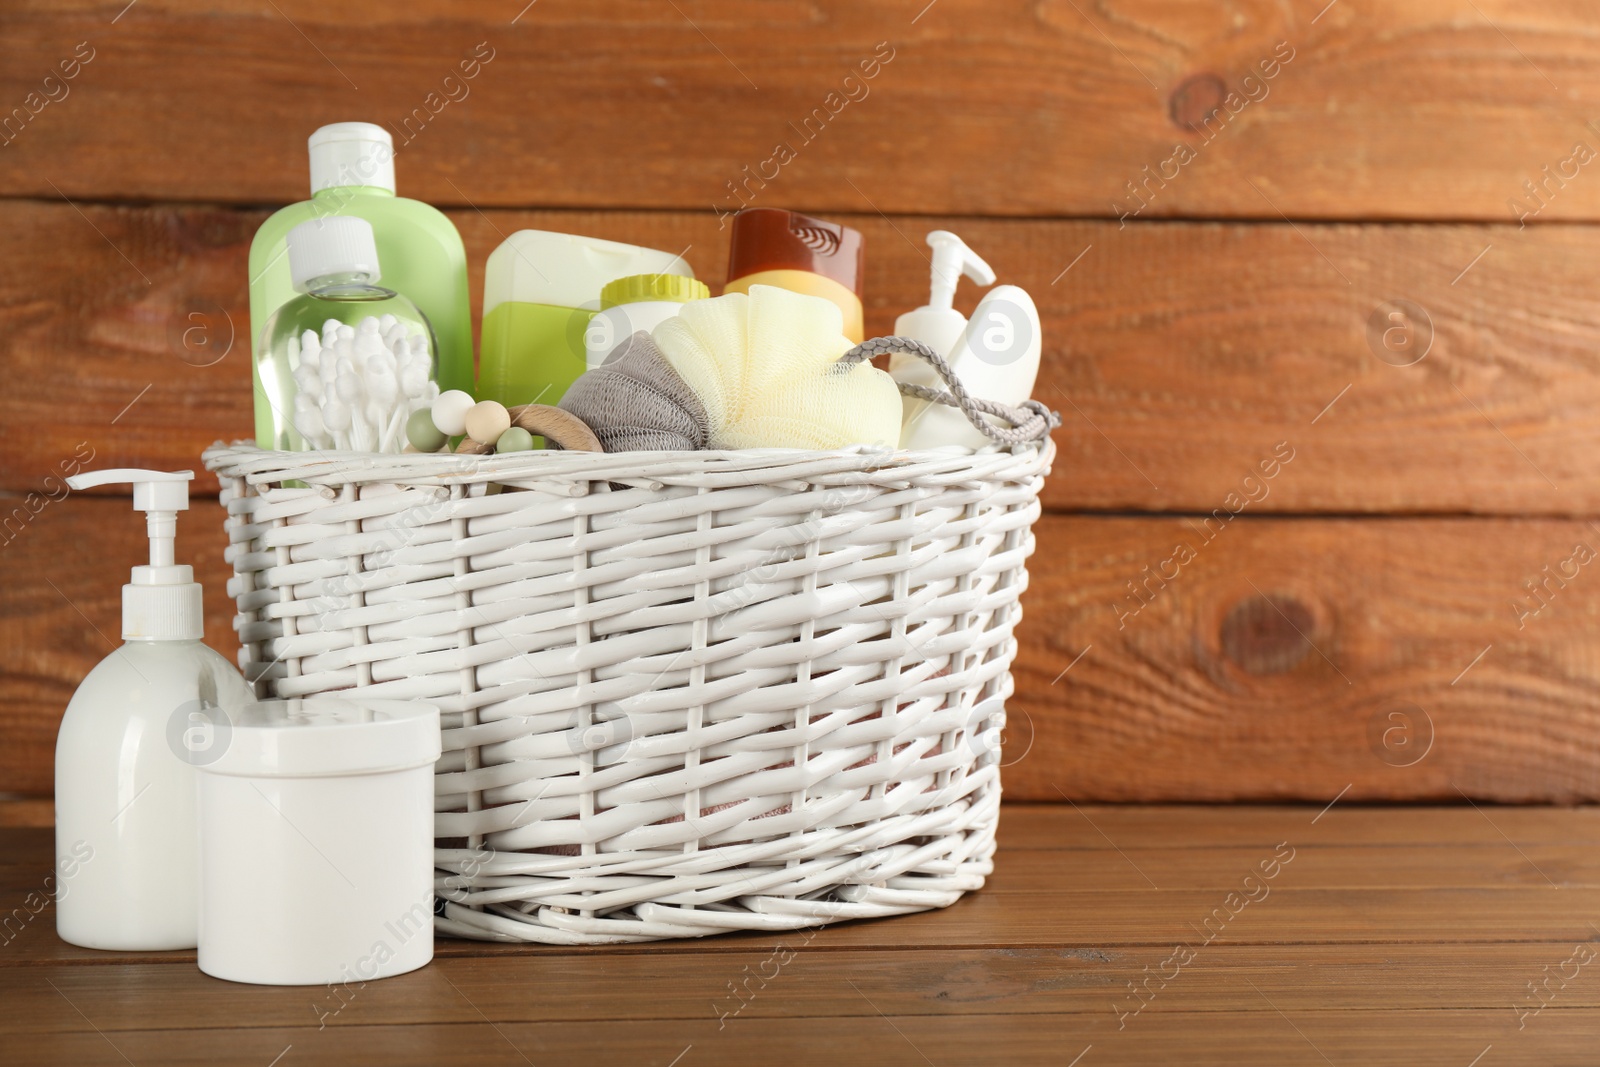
point(1030, 420)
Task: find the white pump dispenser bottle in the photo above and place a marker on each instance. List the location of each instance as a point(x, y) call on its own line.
point(937, 323)
point(996, 355)
point(126, 826)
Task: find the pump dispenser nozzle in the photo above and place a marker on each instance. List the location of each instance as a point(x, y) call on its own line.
point(162, 600)
point(951, 259)
point(937, 323)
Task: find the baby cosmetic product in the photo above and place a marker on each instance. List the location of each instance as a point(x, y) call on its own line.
point(937, 323)
point(316, 841)
point(771, 246)
point(540, 290)
point(352, 174)
point(344, 364)
point(125, 789)
point(638, 302)
point(995, 355)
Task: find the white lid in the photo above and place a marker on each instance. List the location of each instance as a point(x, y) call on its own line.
point(566, 270)
point(324, 737)
point(338, 244)
point(351, 153)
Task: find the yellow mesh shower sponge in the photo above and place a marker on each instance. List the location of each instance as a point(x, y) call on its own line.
point(763, 366)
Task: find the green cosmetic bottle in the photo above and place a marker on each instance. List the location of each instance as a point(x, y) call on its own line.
point(352, 174)
point(540, 289)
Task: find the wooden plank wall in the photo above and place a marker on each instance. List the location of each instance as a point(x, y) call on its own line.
point(1326, 357)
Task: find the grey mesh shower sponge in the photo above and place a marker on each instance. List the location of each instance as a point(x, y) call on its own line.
point(636, 402)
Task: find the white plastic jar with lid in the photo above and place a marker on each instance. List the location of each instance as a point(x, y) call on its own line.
point(637, 302)
point(316, 840)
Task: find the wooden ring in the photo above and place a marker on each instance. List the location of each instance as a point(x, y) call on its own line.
point(542, 420)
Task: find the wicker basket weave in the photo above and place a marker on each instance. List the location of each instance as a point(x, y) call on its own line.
point(682, 693)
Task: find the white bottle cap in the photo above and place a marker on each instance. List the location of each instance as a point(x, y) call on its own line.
point(565, 270)
point(351, 153)
point(162, 602)
point(338, 244)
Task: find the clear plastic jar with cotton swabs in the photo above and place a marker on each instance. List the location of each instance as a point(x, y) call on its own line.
point(346, 362)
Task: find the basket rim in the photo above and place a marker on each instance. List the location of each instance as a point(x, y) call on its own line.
point(708, 468)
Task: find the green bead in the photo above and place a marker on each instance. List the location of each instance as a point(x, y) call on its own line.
point(422, 433)
point(515, 439)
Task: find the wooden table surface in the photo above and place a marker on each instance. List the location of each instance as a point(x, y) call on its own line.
point(1274, 935)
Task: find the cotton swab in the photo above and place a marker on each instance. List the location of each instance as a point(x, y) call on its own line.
point(357, 385)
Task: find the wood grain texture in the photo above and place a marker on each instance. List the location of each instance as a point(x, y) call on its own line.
point(1205, 1039)
point(27, 811)
point(1168, 703)
point(1029, 827)
point(683, 985)
point(1426, 109)
point(1420, 669)
point(1180, 355)
point(1358, 858)
point(1333, 269)
point(1428, 961)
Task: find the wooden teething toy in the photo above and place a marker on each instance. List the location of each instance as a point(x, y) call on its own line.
point(560, 427)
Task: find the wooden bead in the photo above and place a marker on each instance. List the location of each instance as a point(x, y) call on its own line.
point(515, 439)
point(486, 421)
point(450, 411)
point(422, 433)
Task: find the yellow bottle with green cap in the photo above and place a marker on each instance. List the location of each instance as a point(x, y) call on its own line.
point(638, 302)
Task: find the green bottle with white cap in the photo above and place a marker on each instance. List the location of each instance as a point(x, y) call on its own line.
point(352, 174)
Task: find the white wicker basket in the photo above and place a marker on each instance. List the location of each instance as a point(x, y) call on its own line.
point(683, 693)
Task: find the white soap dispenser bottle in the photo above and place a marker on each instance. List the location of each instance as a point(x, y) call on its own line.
point(996, 355)
point(937, 323)
point(126, 823)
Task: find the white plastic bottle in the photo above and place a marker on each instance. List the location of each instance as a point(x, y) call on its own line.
point(128, 745)
point(995, 355)
point(637, 302)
